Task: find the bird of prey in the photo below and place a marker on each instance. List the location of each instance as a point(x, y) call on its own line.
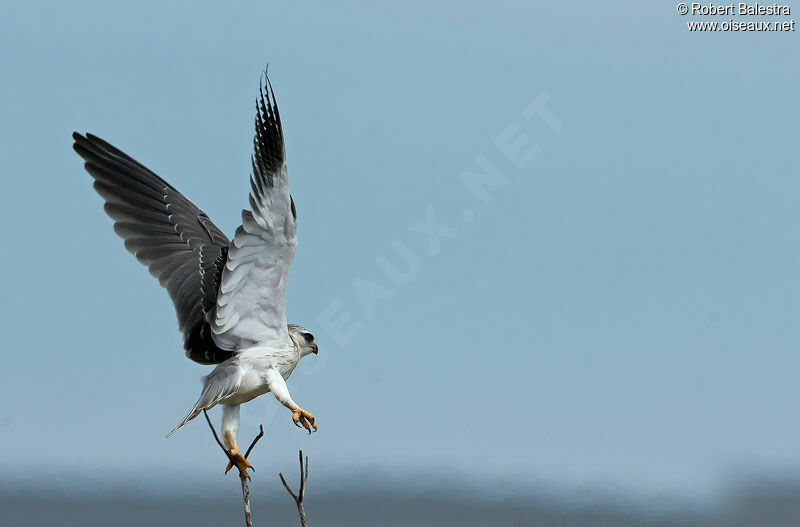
point(229, 294)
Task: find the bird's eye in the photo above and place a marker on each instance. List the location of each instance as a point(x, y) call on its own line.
point(309, 337)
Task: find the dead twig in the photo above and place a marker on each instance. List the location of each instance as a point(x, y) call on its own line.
point(298, 498)
point(250, 448)
point(248, 520)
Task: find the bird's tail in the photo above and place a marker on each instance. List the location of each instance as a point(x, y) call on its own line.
point(194, 412)
point(216, 388)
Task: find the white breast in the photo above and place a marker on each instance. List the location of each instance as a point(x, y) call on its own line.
point(254, 363)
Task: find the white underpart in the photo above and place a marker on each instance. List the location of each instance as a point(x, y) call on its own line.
point(245, 376)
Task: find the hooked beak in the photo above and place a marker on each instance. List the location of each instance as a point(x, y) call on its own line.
point(315, 350)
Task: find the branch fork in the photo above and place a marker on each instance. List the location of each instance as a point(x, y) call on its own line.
point(298, 497)
point(248, 520)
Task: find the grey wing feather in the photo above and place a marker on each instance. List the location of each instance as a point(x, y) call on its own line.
point(166, 232)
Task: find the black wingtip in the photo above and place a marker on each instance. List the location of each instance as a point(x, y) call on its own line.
point(266, 85)
point(79, 145)
point(82, 144)
point(264, 76)
point(78, 140)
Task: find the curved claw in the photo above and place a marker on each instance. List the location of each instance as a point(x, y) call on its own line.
point(240, 462)
point(306, 419)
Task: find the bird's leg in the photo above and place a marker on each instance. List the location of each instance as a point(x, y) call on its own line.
point(277, 385)
point(230, 427)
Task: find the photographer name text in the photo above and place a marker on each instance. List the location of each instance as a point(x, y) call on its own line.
point(741, 8)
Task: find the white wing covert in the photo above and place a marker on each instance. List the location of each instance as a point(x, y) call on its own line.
point(251, 305)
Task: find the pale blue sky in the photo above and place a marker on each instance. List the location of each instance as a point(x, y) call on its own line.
point(622, 312)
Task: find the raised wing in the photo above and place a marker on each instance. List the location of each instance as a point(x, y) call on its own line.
point(251, 302)
point(167, 233)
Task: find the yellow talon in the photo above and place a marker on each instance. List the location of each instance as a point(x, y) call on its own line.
point(240, 462)
point(301, 417)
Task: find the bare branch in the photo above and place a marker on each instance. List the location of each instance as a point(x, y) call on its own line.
point(298, 498)
point(216, 437)
point(288, 488)
point(248, 520)
point(259, 436)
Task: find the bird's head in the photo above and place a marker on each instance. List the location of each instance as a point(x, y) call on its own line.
point(303, 339)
